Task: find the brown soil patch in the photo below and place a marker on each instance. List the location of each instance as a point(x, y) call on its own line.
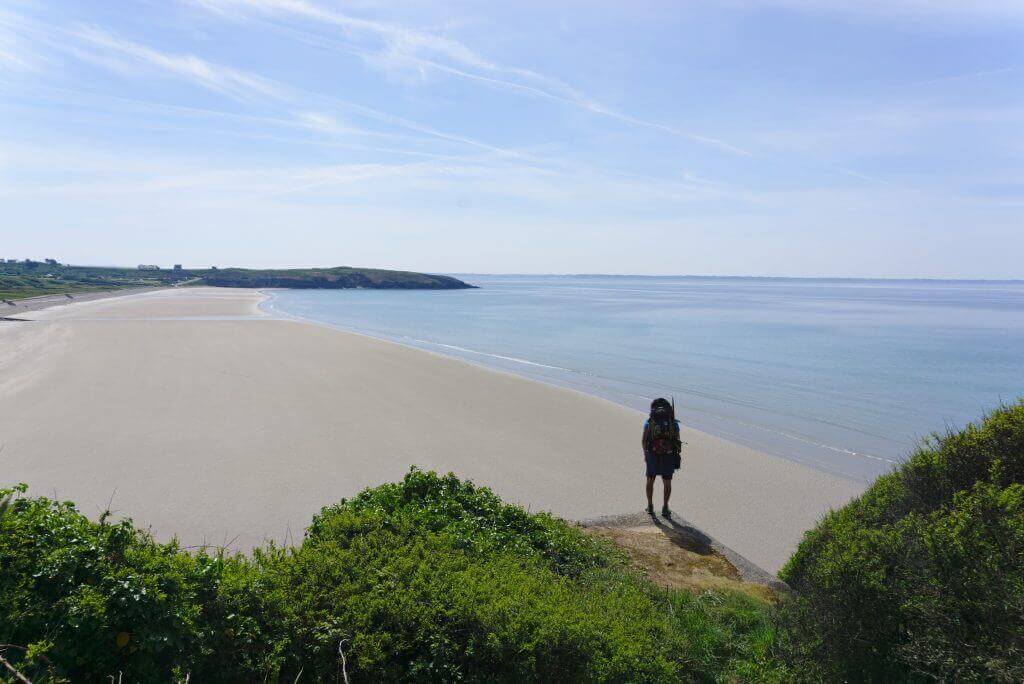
point(674, 558)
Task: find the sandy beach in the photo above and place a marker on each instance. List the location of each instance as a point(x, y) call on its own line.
point(199, 416)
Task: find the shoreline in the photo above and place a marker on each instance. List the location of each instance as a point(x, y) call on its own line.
point(215, 422)
point(264, 306)
point(558, 377)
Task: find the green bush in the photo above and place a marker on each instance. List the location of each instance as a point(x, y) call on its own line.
point(65, 580)
point(430, 579)
point(922, 577)
point(475, 520)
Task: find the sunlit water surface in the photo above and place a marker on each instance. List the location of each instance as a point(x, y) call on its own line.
point(843, 375)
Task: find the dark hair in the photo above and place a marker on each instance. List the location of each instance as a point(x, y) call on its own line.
point(662, 405)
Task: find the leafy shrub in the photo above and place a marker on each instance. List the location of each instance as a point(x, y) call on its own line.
point(430, 579)
point(922, 577)
point(68, 581)
point(477, 521)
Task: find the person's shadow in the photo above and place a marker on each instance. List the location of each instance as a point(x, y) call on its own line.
point(685, 536)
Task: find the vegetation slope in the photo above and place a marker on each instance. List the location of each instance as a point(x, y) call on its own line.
point(33, 278)
point(922, 577)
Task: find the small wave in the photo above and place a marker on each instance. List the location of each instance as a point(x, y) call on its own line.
point(781, 433)
point(800, 438)
point(514, 359)
point(830, 447)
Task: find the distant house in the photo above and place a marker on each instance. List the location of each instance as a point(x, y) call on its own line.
point(148, 267)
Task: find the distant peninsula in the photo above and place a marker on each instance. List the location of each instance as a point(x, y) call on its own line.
point(338, 278)
point(27, 278)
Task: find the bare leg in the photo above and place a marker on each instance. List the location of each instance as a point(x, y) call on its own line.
point(668, 489)
point(650, 491)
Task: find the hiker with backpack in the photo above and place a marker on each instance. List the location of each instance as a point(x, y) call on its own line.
point(662, 450)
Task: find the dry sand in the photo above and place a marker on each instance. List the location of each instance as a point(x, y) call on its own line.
point(201, 417)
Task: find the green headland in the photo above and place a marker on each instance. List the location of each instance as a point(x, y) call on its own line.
point(27, 278)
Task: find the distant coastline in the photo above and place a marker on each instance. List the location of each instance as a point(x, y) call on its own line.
point(21, 279)
point(339, 278)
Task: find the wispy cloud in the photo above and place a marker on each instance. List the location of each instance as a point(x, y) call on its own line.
point(15, 53)
point(984, 73)
point(934, 9)
point(121, 55)
point(577, 100)
point(327, 124)
point(405, 48)
point(862, 176)
point(80, 172)
point(12, 57)
point(332, 102)
point(402, 43)
point(215, 77)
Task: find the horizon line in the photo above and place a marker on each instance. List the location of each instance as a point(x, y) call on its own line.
point(741, 277)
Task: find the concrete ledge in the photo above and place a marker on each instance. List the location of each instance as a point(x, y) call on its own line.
point(17, 306)
point(748, 571)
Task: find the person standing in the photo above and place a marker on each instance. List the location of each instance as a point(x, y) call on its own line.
point(662, 451)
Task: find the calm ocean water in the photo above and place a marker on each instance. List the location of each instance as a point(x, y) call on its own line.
point(843, 375)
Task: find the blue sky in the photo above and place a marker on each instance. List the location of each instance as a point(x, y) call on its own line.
point(751, 137)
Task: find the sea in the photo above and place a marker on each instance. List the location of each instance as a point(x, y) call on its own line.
point(847, 376)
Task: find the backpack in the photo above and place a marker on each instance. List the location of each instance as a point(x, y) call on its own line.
point(664, 436)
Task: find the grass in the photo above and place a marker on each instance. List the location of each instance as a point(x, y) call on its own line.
point(19, 281)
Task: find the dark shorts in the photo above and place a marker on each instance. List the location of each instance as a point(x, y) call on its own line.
point(660, 465)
